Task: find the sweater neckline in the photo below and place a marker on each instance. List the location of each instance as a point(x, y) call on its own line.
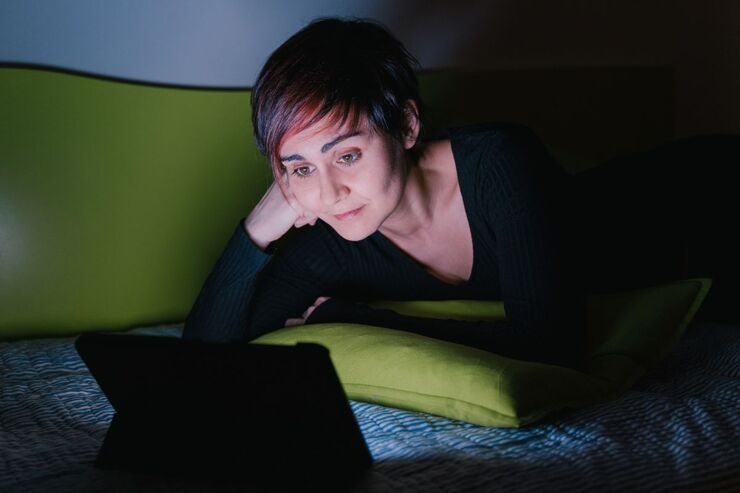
point(462, 178)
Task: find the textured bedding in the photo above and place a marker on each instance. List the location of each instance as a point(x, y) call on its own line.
point(677, 430)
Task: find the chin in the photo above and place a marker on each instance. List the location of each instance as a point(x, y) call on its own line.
point(354, 233)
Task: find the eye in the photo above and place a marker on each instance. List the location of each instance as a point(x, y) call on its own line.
point(302, 171)
point(349, 157)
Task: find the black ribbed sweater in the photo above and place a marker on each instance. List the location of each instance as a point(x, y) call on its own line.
point(515, 200)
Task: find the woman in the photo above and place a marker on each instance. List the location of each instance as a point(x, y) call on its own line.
point(476, 213)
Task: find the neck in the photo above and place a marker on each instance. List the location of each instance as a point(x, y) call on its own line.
point(414, 213)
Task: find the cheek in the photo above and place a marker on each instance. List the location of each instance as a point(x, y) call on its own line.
point(306, 195)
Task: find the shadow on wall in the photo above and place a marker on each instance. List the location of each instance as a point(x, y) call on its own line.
point(589, 91)
point(586, 115)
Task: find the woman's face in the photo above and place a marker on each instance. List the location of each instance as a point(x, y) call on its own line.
point(352, 179)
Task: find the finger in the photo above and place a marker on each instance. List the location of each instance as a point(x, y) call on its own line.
point(284, 183)
point(315, 305)
point(309, 219)
point(290, 197)
point(291, 322)
point(304, 219)
point(281, 184)
point(309, 312)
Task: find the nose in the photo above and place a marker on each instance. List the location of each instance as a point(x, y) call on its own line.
point(333, 188)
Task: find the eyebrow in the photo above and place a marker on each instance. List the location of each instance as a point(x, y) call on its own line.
point(324, 148)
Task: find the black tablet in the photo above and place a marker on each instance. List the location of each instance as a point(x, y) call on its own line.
point(267, 413)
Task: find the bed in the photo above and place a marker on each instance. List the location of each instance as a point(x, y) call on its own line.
point(678, 429)
point(152, 179)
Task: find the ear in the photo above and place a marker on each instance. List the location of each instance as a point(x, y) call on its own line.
point(412, 124)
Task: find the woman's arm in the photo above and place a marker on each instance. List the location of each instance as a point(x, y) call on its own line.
point(511, 337)
point(557, 338)
point(250, 292)
point(222, 311)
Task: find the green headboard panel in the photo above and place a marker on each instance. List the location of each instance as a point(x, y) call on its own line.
point(115, 198)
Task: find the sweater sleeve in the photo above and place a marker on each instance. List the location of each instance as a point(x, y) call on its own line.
point(519, 191)
point(250, 292)
point(220, 312)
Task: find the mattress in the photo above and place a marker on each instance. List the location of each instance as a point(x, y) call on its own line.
point(678, 429)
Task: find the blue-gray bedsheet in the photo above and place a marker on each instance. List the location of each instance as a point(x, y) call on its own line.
point(678, 429)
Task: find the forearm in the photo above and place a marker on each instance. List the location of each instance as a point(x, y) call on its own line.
point(221, 311)
point(555, 340)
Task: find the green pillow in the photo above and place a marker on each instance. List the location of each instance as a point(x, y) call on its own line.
point(628, 333)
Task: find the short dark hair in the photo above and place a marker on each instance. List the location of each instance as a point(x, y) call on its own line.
point(342, 68)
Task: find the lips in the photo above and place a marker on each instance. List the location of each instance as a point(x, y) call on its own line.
point(349, 214)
